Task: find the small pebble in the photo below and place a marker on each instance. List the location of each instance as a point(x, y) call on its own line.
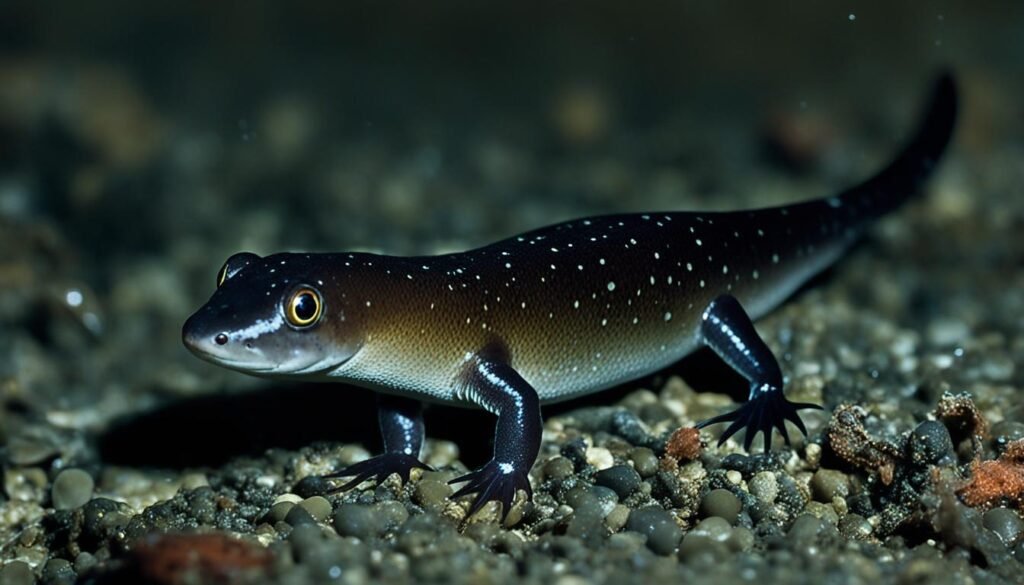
point(313, 485)
point(644, 461)
point(191, 481)
point(16, 573)
point(72, 488)
point(24, 451)
point(1006, 523)
point(716, 528)
point(358, 520)
point(804, 531)
point(658, 526)
point(84, 562)
point(606, 498)
point(740, 539)
point(600, 458)
point(616, 519)
point(58, 571)
point(699, 546)
point(764, 486)
point(318, 507)
point(483, 533)
point(558, 468)
point(431, 494)
point(827, 484)
point(855, 527)
point(623, 479)
point(27, 484)
point(721, 503)
point(586, 523)
point(824, 512)
point(298, 516)
point(279, 511)
point(930, 444)
point(288, 497)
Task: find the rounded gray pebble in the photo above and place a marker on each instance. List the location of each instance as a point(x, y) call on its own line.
point(392, 514)
point(1006, 523)
point(558, 468)
point(855, 527)
point(805, 529)
point(312, 485)
point(298, 516)
point(358, 520)
point(740, 539)
point(483, 533)
point(606, 498)
point(575, 497)
point(587, 522)
point(827, 484)
point(431, 494)
point(930, 444)
point(697, 546)
point(658, 526)
point(17, 573)
point(58, 571)
point(623, 479)
point(84, 562)
point(644, 461)
point(306, 541)
point(721, 503)
point(764, 486)
point(279, 511)
point(617, 518)
point(716, 528)
point(318, 507)
point(72, 488)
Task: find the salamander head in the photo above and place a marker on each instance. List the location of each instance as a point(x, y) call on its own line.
point(281, 315)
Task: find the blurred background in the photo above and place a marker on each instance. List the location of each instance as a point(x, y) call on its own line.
point(143, 143)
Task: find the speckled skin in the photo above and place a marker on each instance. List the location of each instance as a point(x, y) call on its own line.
point(571, 308)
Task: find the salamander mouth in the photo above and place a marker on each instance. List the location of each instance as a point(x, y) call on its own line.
point(258, 365)
point(243, 365)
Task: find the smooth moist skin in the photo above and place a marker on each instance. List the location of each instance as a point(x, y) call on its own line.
point(549, 315)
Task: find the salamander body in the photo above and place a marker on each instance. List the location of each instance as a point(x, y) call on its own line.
point(548, 315)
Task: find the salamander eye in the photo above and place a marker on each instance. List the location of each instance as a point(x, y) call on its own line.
point(303, 308)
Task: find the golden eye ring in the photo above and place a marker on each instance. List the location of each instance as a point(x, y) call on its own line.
point(304, 307)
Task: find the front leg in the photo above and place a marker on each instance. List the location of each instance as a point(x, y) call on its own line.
point(728, 331)
point(401, 427)
point(496, 387)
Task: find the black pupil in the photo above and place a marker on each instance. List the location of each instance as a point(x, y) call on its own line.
point(305, 307)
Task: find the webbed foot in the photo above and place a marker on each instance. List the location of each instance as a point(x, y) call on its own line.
point(766, 408)
point(494, 481)
point(380, 466)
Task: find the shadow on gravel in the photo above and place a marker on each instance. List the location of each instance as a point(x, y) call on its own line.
point(211, 430)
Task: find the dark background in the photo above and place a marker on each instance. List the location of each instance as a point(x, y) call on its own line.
point(142, 143)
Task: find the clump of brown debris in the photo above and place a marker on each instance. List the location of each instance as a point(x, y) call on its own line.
point(996, 481)
point(683, 445)
point(854, 445)
point(963, 419)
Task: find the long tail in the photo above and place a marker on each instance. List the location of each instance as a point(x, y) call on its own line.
point(904, 177)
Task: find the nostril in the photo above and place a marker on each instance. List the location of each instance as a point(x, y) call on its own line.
point(220, 339)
